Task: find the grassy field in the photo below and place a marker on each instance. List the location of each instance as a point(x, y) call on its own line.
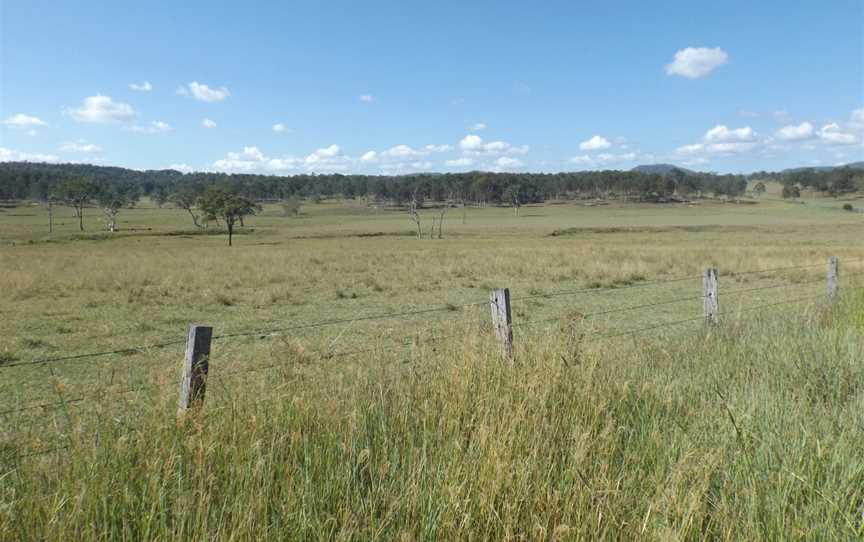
point(410, 427)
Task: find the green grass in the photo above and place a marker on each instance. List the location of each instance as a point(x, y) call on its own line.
point(751, 431)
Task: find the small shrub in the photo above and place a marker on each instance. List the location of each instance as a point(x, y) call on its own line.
point(848, 207)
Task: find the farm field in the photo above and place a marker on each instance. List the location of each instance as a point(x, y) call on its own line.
point(356, 391)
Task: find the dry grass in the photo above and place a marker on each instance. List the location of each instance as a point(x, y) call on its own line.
point(743, 433)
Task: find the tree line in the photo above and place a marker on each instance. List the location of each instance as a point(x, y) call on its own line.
point(38, 181)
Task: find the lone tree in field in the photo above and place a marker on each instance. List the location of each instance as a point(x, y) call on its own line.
point(759, 189)
point(113, 197)
point(77, 194)
point(791, 191)
point(217, 202)
point(186, 197)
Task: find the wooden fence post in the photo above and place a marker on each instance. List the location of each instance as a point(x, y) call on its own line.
point(709, 293)
point(502, 320)
point(193, 383)
point(833, 278)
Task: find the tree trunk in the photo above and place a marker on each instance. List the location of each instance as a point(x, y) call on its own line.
point(50, 217)
point(81, 218)
point(230, 232)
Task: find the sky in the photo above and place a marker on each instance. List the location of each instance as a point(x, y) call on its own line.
point(387, 87)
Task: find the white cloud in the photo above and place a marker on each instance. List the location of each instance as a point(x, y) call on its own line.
point(155, 127)
point(396, 168)
point(474, 144)
point(471, 142)
point(403, 151)
point(80, 146)
point(182, 168)
point(696, 62)
point(795, 133)
point(253, 160)
point(22, 121)
point(207, 123)
point(324, 155)
point(603, 159)
point(716, 148)
point(509, 163)
point(366, 98)
point(480, 126)
point(460, 162)
point(279, 127)
point(143, 87)
point(596, 143)
point(370, 156)
point(203, 93)
point(582, 159)
point(833, 134)
point(857, 119)
point(438, 148)
point(9, 155)
point(721, 133)
point(102, 109)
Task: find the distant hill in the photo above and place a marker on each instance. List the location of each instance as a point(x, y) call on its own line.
point(853, 165)
point(660, 169)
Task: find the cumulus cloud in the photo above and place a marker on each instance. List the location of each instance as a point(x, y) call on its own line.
point(252, 160)
point(367, 99)
point(204, 93)
point(143, 87)
point(857, 119)
point(795, 132)
point(596, 143)
point(474, 144)
point(207, 123)
point(722, 141)
point(396, 168)
point(833, 134)
point(9, 155)
point(324, 155)
point(21, 121)
point(696, 62)
point(460, 162)
point(479, 127)
point(505, 162)
point(403, 151)
point(102, 109)
point(438, 148)
point(279, 127)
point(182, 168)
point(370, 156)
point(603, 159)
point(155, 127)
point(80, 146)
point(721, 133)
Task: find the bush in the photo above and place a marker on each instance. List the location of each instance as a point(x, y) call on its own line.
point(848, 207)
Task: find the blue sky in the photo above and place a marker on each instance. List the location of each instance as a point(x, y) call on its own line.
point(397, 87)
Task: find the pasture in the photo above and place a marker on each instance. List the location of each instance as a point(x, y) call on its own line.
point(324, 419)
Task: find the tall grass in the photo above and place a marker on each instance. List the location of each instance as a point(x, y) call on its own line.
point(752, 431)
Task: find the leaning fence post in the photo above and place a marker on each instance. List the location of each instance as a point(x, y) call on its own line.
point(709, 293)
point(502, 320)
point(833, 278)
point(195, 364)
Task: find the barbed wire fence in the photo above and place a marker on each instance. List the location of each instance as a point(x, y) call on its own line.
point(196, 367)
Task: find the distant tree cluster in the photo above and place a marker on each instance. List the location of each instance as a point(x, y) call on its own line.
point(836, 181)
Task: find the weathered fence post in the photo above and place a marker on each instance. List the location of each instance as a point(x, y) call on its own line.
point(833, 278)
point(193, 383)
point(502, 320)
point(709, 293)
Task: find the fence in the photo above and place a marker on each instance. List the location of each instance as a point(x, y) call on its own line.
point(196, 367)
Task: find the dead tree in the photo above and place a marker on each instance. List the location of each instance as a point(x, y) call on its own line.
point(414, 215)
